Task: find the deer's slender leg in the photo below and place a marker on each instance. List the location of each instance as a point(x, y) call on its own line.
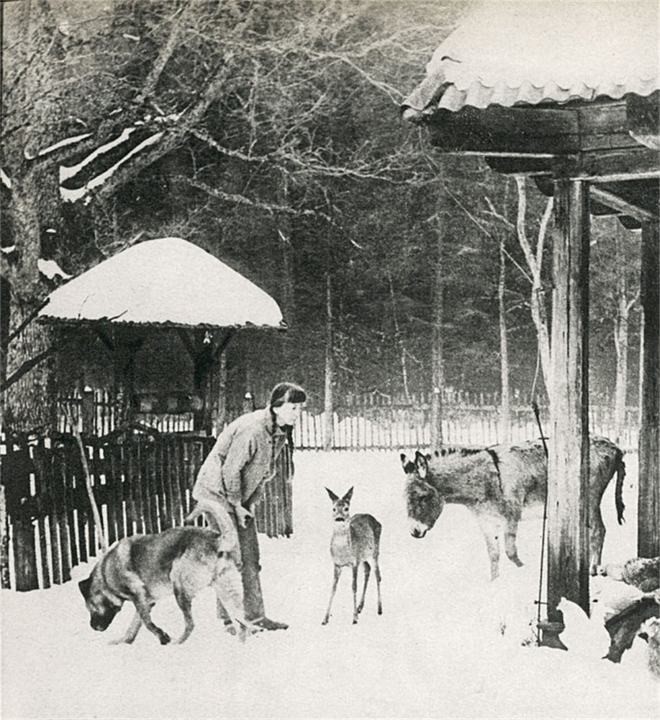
point(377, 572)
point(355, 610)
point(367, 571)
point(332, 593)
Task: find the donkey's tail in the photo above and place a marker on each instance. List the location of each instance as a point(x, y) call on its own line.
point(620, 466)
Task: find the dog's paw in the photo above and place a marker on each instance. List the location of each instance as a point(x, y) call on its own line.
point(164, 638)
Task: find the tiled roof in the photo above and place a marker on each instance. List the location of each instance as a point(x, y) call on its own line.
point(168, 281)
point(531, 52)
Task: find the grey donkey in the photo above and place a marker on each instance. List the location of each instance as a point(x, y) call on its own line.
point(355, 541)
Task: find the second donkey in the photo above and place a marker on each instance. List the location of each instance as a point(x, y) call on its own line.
point(355, 541)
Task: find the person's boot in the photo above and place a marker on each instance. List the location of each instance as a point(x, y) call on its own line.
point(268, 624)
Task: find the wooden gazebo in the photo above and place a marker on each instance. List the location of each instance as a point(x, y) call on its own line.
point(167, 284)
point(568, 93)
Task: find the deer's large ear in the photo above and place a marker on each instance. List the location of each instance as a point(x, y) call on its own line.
point(349, 494)
point(333, 497)
point(422, 464)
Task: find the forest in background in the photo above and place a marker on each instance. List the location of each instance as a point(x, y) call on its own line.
point(269, 134)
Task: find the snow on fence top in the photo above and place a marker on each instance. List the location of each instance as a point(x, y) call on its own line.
point(168, 281)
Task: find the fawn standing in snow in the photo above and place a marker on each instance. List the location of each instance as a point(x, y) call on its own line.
point(355, 541)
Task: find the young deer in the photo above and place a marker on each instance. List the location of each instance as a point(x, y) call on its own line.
point(355, 541)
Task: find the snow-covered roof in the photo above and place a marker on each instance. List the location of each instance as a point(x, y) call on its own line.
point(168, 281)
point(522, 52)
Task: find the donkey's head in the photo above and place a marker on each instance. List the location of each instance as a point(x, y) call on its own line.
point(424, 502)
point(340, 505)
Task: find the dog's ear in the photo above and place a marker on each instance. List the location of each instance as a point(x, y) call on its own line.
point(333, 497)
point(349, 494)
point(85, 586)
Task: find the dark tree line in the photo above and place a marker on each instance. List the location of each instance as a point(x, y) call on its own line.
point(269, 134)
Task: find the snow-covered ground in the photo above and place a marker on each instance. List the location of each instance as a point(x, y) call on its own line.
point(435, 652)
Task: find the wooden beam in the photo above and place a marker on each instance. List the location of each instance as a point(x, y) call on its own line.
point(535, 131)
point(568, 461)
point(643, 119)
point(524, 165)
point(610, 166)
point(620, 205)
point(105, 339)
point(187, 341)
point(220, 348)
point(648, 503)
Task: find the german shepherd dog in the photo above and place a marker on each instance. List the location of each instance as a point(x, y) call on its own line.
point(145, 568)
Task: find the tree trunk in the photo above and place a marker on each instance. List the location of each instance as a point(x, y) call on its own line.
point(27, 404)
point(401, 347)
point(621, 325)
point(437, 358)
point(505, 399)
point(535, 264)
point(329, 409)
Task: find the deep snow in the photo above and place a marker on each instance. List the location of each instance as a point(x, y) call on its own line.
point(435, 652)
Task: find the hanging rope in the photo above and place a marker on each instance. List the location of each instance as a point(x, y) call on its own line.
point(535, 408)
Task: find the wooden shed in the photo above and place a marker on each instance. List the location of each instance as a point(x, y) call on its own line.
point(567, 93)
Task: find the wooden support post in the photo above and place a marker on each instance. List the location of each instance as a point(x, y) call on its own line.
point(568, 462)
point(648, 504)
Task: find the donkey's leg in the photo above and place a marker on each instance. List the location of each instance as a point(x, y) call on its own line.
point(377, 573)
point(332, 593)
point(510, 535)
point(490, 526)
point(367, 571)
point(596, 539)
point(355, 610)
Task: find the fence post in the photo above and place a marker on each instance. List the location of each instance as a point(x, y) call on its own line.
point(4, 541)
point(88, 411)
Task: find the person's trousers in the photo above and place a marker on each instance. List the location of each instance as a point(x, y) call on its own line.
point(248, 543)
point(252, 595)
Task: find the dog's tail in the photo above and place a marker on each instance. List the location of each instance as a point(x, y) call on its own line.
point(220, 521)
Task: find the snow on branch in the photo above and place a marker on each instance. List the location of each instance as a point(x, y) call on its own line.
point(71, 195)
point(51, 270)
point(57, 146)
point(4, 179)
point(71, 171)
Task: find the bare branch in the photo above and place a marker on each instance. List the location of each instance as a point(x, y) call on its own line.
point(261, 205)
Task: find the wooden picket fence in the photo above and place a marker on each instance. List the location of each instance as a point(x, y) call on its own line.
point(388, 423)
point(141, 482)
point(377, 421)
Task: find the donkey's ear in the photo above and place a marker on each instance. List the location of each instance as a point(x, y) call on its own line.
point(349, 494)
point(84, 586)
point(422, 464)
point(333, 497)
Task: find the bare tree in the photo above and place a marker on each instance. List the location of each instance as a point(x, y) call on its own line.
point(534, 259)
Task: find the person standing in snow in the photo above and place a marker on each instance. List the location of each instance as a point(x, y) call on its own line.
point(232, 477)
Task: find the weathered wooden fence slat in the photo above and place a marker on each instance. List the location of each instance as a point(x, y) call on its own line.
point(141, 484)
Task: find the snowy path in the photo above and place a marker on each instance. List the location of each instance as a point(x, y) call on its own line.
point(430, 655)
